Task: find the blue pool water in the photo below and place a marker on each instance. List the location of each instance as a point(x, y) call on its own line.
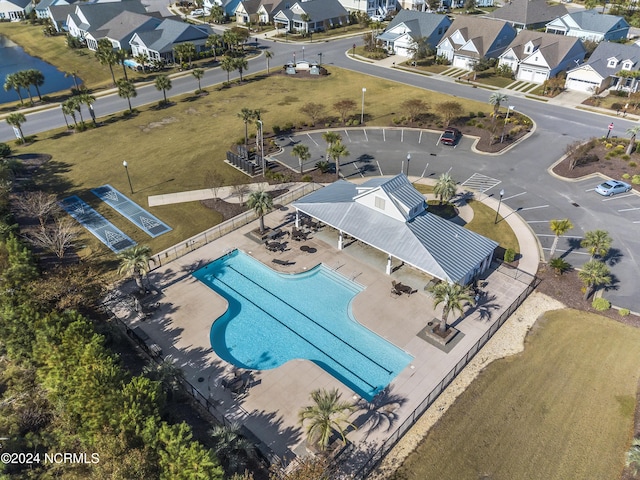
point(273, 318)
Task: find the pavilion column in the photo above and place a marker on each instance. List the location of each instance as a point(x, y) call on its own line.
point(297, 218)
point(388, 265)
point(340, 240)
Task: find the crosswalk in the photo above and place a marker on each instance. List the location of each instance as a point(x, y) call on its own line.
point(480, 183)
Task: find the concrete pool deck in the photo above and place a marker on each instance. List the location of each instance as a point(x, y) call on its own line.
point(181, 327)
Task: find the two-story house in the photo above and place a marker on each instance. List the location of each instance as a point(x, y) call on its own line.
point(400, 36)
point(590, 25)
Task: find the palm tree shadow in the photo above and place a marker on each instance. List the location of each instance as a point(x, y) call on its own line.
point(383, 409)
point(574, 244)
point(613, 257)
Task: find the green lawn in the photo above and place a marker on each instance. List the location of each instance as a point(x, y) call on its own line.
point(483, 223)
point(172, 149)
point(563, 409)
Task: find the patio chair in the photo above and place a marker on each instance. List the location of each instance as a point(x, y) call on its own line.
point(284, 263)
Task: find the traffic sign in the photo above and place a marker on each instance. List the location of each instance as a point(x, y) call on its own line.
point(611, 126)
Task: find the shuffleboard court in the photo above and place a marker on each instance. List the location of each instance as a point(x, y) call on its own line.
point(99, 226)
point(131, 211)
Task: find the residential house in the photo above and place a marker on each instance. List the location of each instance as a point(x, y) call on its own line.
point(15, 10)
point(370, 7)
point(535, 56)
point(422, 5)
point(606, 69)
point(408, 26)
point(121, 29)
point(58, 14)
point(470, 38)
point(229, 6)
point(90, 18)
point(42, 8)
point(528, 14)
point(255, 11)
point(158, 43)
point(590, 25)
point(390, 215)
point(311, 16)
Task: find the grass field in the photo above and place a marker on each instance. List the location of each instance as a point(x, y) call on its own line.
point(172, 149)
point(483, 223)
point(563, 409)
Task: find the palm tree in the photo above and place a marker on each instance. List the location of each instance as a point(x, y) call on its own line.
point(142, 60)
point(246, 114)
point(126, 89)
point(88, 99)
point(233, 450)
point(198, 73)
point(268, 54)
point(22, 77)
point(213, 42)
point(73, 74)
point(11, 83)
point(302, 152)
point(185, 50)
point(452, 296)
point(217, 13)
point(77, 106)
point(68, 109)
point(36, 78)
point(163, 83)
point(633, 131)
point(228, 65)
point(165, 372)
point(558, 227)
point(594, 274)
point(331, 138)
point(106, 55)
point(598, 242)
point(496, 99)
point(241, 65)
point(445, 188)
point(261, 203)
point(337, 151)
point(633, 457)
point(16, 120)
point(135, 261)
point(328, 414)
point(231, 39)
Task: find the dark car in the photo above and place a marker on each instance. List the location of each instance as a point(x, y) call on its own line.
point(450, 137)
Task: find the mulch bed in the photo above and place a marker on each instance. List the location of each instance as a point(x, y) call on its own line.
point(614, 167)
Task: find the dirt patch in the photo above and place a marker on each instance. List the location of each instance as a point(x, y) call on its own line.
point(614, 166)
point(150, 126)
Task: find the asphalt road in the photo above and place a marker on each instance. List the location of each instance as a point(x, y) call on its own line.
point(521, 172)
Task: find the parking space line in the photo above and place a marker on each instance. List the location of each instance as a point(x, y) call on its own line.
point(365, 134)
point(532, 208)
point(617, 197)
point(311, 138)
point(570, 251)
point(384, 135)
point(538, 221)
point(513, 196)
point(561, 236)
point(402, 135)
point(355, 165)
point(347, 134)
point(629, 209)
point(590, 190)
point(379, 168)
point(420, 137)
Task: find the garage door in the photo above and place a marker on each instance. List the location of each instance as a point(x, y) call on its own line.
point(579, 85)
point(403, 52)
point(460, 62)
point(531, 75)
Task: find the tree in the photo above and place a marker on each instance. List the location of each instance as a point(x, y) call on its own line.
point(126, 89)
point(185, 50)
point(22, 77)
point(594, 274)
point(69, 108)
point(597, 242)
point(496, 99)
point(77, 106)
point(313, 110)
point(36, 78)
point(142, 60)
point(470, 5)
point(261, 203)
point(344, 107)
point(38, 204)
point(422, 48)
point(268, 55)
point(307, 467)
point(181, 458)
point(87, 99)
point(336, 152)
point(233, 450)
point(633, 131)
point(302, 152)
point(134, 261)
point(452, 297)
point(633, 457)
point(213, 179)
point(213, 42)
point(106, 55)
point(17, 120)
point(11, 83)
point(163, 82)
point(228, 65)
point(328, 414)
point(558, 227)
point(414, 108)
point(246, 114)
point(5, 150)
point(217, 13)
point(450, 110)
point(241, 65)
point(559, 265)
point(331, 138)
point(445, 188)
point(198, 73)
point(56, 237)
point(231, 39)
point(74, 75)
point(166, 373)
point(121, 56)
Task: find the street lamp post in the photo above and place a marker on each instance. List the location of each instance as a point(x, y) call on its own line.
point(408, 160)
point(506, 120)
point(498, 210)
point(126, 169)
point(303, 53)
point(320, 61)
point(362, 114)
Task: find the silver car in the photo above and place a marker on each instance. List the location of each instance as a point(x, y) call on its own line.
point(611, 187)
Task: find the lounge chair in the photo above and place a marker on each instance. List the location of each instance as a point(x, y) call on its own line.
point(284, 263)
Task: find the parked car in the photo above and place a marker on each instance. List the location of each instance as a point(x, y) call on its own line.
point(450, 136)
point(377, 18)
point(611, 187)
point(198, 12)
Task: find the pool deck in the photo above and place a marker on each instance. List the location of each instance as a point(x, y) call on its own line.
point(181, 327)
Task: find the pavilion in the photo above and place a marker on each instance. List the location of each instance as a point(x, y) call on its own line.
point(390, 215)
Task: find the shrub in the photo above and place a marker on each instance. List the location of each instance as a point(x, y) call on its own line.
point(276, 130)
point(616, 106)
point(633, 164)
point(323, 166)
point(625, 157)
point(619, 149)
point(5, 150)
point(515, 130)
point(624, 312)
point(608, 145)
point(509, 255)
point(626, 176)
point(471, 123)
point(559, 265)
point(472, 115)
point(307, 178)
point(635, 179)
point(288, 127)
point(601, 304)
point(481, 114)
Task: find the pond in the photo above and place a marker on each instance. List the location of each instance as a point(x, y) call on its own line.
point(14, 59)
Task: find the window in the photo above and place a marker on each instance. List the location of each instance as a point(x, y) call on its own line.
point(612, 62)
point(379, 203)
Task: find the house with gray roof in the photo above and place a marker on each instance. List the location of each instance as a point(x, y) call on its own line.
point(257, 11)
point(15, 10)
point(58, 14)
point(528, 14)
point(408, 26)
point(535, 56)
point(90, 17)
point(470, 38)
point(42, 8)
point(590, 25)
point(120, 29)
point(158, 43)
point(322, 15)
point(390, 215)
point(607, 68)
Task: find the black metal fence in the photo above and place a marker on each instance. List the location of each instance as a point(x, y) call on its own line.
point(372, 462)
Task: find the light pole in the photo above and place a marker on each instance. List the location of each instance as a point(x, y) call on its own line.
point(506, 120)
point(408, 160)
point(320, 61)
point(126, 169)
point(303, 53)
point(498, 210)
point(261, 148)
point(362, 114)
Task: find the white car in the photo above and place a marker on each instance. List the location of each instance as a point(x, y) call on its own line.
point(377, 18)
point(198, 12)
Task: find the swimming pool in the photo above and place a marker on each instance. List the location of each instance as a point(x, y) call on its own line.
point(274, 318)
